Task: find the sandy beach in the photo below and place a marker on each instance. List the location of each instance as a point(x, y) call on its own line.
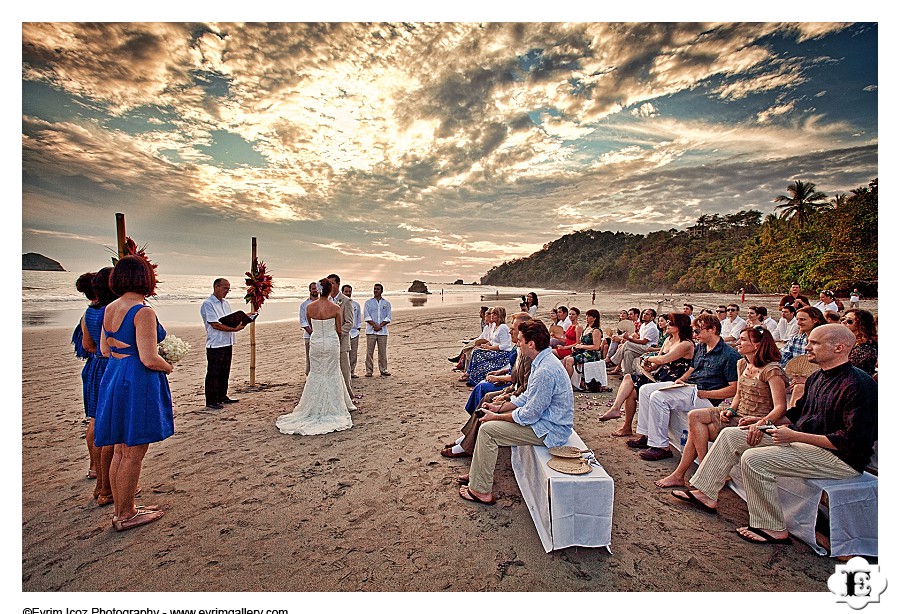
point(374, 508)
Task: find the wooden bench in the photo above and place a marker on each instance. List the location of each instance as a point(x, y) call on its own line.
point(567, 510)
point(851, 511)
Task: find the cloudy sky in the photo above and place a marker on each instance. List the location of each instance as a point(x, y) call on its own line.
point(418, 150)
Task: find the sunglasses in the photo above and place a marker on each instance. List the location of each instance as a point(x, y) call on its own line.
point(731, 309)
point(696, 331)
point(720, 311)
point(848, 321)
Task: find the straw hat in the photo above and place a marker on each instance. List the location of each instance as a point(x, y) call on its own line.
point(566, 451)
point(572, 466)
point(800, 366)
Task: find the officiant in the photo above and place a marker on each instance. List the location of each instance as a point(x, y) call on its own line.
point(219, 343)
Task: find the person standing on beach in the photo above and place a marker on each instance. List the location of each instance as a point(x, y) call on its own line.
point(219, 344)
point(593, 296)
point(794, 298)
point(378, 316)
point(346, 324)
point(304, 321)
point(347, 291)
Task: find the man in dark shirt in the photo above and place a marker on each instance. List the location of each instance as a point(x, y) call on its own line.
point(713, 373)
point(829, 433)
point(794, 298)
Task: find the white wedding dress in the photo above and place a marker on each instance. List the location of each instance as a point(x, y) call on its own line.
point(325, 404)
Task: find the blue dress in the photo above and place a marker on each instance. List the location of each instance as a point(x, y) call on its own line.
point(485, 387)
point(95, 367)
point(135, 404)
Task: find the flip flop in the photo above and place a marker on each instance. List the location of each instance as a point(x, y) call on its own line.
point(464, 480)
point(141, 517)
point(449, 453)
point(91, 474)
point(766, 538)
point(471, 497)
point(690, 498)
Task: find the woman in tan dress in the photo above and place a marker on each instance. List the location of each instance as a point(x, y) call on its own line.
point(760, 399)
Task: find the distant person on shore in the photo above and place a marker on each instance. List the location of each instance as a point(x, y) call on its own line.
point(377, 316)
point(304, 321)
point(854, 298)
point(593, 296)
point(733, 324)
point(794, 298)
point(347, 291)
point(542, 415)
point(219, 344)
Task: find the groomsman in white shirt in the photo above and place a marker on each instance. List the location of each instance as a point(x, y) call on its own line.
point(304, 322)
point(347, 291)
point(377, 313)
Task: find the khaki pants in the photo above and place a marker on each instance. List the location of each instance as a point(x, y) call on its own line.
point(760, 466)
point(491, 436)
point(354, 347)
point(371, 341)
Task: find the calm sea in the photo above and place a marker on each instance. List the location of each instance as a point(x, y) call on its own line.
point(49, 298)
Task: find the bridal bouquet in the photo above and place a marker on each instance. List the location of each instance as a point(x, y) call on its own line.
point(173, 349)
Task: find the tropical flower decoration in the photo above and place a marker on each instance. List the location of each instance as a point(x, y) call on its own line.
point(259, 284)
point(173, 349)
point(131, 249)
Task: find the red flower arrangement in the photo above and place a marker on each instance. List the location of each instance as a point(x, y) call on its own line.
point(131, 249)
point(259, 284)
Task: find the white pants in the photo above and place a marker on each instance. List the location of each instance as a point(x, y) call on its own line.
point(655, 406)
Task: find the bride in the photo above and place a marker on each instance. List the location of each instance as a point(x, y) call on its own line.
point(325, 404)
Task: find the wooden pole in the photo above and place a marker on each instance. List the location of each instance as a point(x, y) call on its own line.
point(253, 270)
point(120, 234)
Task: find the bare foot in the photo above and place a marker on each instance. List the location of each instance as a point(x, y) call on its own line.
point(463, 479)
point(622, 432)
point(610, 416)
point(669, 481)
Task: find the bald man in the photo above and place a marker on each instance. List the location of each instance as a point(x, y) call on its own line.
point(829, 434)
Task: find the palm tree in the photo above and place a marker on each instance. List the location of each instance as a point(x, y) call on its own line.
point(802, 202)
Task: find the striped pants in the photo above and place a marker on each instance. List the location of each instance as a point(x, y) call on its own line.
point(760, 466)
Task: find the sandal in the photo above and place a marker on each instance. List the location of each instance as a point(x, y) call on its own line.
point(141, 517)
point(104, 500)
point(466, 494)
point(91, 474)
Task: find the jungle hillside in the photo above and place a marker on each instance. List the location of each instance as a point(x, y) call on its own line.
point(819, 242)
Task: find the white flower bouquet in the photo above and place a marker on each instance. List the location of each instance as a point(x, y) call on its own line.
point(173, 349)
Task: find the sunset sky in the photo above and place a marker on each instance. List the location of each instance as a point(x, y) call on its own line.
point(417, 150)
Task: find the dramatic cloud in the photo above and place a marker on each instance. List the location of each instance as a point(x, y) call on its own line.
point(403, 143)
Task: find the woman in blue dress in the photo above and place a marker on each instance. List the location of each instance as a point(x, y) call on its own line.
point(494, 353)
point(135, 405)
point(84, 285)
point(92, 375)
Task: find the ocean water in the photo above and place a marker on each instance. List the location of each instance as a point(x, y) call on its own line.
point(49, 298)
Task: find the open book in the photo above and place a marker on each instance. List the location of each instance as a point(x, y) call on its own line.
point(674, 385)
point(237, 318)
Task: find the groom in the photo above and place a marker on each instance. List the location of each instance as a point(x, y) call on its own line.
point(346, 324)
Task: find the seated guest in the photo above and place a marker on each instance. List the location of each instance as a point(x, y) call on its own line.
point(639, 343)
point(787, 325)
point(462, 359)
point(662, 323)
point(713, 378)
point(828, 434)
point(588, 350)
point(625, 326)
point(733, 324)
point(493, 353)
point(864, 354)
point(688, 310)
point(794, 298)
point(542, 415)
point(826, 302)
point(518, 380)
point(499, 378)
point(531, 302)
point(572, 335)
point(807, 319)
point(832, 317)
point(763, 315)
point(760, 397)
point(673, 361)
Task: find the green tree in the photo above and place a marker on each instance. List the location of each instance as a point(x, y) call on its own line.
point(803, 201)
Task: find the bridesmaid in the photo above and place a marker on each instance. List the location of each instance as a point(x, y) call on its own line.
point(92, 375)
point(135, 405)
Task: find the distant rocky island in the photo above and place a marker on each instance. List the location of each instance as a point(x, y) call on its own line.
point(419, 286)
point(39, 262)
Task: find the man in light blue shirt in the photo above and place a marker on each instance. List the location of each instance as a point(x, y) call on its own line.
point(378, 316)
point(541, 416)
